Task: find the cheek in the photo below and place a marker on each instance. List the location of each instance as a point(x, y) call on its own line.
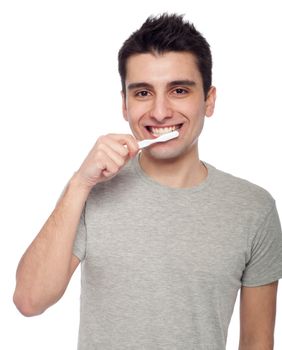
point(133, 118)
point(198, 111)
point(192, 108)
point(196, 118)
point(197, 125)
point(135, 113)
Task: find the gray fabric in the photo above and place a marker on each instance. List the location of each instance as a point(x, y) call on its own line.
point(161, 267)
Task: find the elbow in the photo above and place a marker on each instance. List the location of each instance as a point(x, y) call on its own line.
point(26, 306)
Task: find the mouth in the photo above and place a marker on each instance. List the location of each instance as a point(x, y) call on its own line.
point(157, 131)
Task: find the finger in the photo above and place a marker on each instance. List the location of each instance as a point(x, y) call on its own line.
point(106, 165)
point(129, 141)
point(117, 147)
point(113, 155)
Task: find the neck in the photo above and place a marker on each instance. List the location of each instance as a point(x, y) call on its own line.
point(182, 172)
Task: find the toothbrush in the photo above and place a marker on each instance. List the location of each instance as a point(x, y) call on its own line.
point(162, 138)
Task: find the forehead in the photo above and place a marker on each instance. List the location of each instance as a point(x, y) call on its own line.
point(156, 68)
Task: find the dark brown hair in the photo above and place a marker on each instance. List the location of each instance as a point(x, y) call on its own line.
point(166, 33)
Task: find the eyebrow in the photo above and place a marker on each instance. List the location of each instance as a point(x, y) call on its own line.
point(145, 85)
point(185, 82)
point(133, 86)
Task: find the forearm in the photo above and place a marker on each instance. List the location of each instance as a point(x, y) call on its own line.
point(44, 270)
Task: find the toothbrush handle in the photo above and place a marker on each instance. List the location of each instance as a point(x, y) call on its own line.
point(145, 143)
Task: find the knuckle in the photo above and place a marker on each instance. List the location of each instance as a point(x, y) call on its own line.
point(99, 165)
point(124, 151)
point(99, 153)
point(100, 138)
point(103, 139)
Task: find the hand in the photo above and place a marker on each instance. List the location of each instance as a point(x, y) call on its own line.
point(108, 156)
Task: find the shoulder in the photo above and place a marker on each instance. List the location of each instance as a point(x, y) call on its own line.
point(242, 192)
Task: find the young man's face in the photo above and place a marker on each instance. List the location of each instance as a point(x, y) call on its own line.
point(164, 93)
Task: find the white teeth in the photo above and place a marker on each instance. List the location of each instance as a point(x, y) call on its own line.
point(161, 131)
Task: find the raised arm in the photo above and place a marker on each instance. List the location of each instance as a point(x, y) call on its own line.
point(47, 265)
point(257, 317)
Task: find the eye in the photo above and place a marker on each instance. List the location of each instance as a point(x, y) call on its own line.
point(180, 91)
point(143, 93)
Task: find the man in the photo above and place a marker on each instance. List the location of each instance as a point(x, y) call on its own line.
point(165, 240)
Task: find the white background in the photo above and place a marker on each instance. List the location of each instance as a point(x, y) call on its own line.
point(59, 90)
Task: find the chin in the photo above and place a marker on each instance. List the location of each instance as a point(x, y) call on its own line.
point(164, 154)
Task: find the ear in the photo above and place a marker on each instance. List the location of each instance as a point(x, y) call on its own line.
point(124, 108)
point(210, 101)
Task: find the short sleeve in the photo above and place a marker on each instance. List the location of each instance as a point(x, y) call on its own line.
point(79, 246)
point(265, 263)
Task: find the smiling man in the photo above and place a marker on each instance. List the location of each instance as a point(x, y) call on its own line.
point(165, 240)
point(164, 92)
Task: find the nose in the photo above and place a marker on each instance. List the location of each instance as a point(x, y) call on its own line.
point(161, 109)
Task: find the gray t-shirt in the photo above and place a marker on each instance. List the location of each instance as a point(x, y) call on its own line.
point(161, 267)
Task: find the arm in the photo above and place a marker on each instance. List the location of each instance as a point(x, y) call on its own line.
point(46, 267)
point(257, 317)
